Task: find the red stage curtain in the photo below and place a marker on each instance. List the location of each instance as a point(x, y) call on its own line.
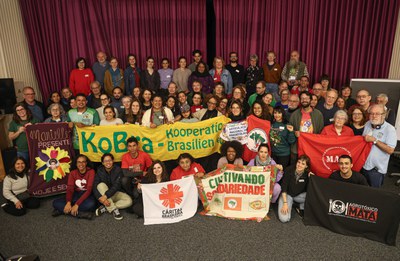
point(344, 39)
point(60, 31)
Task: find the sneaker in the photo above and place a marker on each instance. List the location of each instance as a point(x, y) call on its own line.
point(117, 215)
point(100, 211)
point(56, 213)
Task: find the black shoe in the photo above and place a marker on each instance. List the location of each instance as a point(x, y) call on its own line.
point(56, 213)
point(86, 215)
point(300, 212)
point(101, 210)
point(117, 215)
point(4, 205)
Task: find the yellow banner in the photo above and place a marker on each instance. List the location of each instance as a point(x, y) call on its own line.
point(165, 142)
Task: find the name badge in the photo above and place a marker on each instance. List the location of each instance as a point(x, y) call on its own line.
point(161, 117)
point(275, 69)
point(168, 76)
point(301, 180)
point(122, 106)
point(281, 127)
point(237, 71)
point(87, 75)
point(196, 170)
point(331, 119)
point(197, 109)
point(292, 78)
point(215, 79)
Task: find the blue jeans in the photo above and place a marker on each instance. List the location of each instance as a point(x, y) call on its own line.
point(301, 198)
point(88, 205)
point(374, 178)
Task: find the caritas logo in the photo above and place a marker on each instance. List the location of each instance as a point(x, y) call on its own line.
point(330, 157)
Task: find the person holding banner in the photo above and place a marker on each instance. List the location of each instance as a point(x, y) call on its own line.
point(110, 117)
point(358, 118)
point(236, 111)
point(231, 152)
point(294, 187)
point(263, 159)
point(346, 174)
point(157, 115)
point(107, 188)
point(22, 117)
point(79, 201)
point(187, 166)
point(384, 139)
point(281, 137)
point(135, 113)
point(260, 110)
point(338, 127)
point(211, 111)
point(186, 115)
point(15, 190)
point(157, 173)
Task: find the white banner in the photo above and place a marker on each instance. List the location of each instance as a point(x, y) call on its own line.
point(169, 202)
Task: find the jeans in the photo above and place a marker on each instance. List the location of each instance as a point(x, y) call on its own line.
point(374, 178)
point(301, 198)
point(88, 205)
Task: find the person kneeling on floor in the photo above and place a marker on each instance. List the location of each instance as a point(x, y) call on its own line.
point(107, 188)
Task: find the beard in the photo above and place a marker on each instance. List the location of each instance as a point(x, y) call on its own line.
point(305, 104)
point(293, 63)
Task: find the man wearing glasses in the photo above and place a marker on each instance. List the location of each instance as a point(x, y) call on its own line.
point(36, 107)
point(383, 137)
point(237, 70)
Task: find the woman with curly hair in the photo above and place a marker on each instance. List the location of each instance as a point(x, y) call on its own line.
point(231, 152)
point(259, 110)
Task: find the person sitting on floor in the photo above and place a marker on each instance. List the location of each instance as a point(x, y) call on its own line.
point(187, 166)
point(231, 152)
point(346, 174)
point(294, 187)
point(15, 190)
point(157, 173)
point(264, 159)
point(79, 201)
point(107, 188)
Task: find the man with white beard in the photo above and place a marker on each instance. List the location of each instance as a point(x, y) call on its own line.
point(384, 139)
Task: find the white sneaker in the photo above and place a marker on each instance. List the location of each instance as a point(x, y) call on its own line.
point(117, 215)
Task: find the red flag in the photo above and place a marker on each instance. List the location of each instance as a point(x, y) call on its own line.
point(258, 133)
point(324, 151)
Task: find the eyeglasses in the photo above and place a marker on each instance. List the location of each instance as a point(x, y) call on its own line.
point(104, 99)
point(317, 89)
point(30, 93)
point(376, 114)
point(357, 113)
point(362, 96)
point(20, 110)
point(212, 103)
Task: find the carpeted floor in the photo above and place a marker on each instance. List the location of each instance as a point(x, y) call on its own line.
point(200, 238)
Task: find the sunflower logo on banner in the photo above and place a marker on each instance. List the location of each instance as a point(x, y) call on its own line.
point(53, 163)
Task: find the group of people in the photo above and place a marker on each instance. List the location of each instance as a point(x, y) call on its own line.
point(109, 95)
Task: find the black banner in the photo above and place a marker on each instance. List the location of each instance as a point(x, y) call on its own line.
point(353, 210)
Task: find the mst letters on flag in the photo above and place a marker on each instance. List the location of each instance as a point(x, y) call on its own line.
point(324, 151)
point(169, 202)
point(238, 194)
point(353, 210)
point(50, 151)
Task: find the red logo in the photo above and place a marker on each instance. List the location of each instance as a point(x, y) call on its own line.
point(330, 157)
point(171, 195)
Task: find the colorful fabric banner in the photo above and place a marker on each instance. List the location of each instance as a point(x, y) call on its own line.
point(169, 202)
point(166, 142)
point(353, 210)
point(50, 153)
point(238, 194)
point(235, 131)
point(324, 151)
point(258, 133)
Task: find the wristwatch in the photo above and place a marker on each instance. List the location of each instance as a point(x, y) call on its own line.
point(375, 141)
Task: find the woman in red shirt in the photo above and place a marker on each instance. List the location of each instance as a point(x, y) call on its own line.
point(338, 128)
point(81, 78)
point(187, 166)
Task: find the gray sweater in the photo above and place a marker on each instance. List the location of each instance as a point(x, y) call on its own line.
point(13, 187)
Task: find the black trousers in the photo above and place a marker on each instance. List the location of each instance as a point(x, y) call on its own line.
point(31, 203)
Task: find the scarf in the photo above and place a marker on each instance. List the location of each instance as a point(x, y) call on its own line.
point(115, 77)
point(209, 114)
point(260, 163)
